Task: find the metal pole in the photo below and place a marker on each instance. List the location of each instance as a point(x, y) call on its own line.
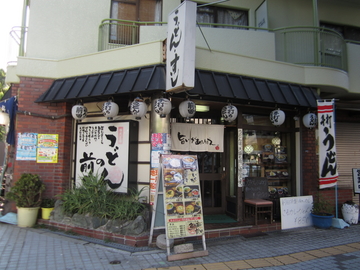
point(23, 29)
point(316, 24)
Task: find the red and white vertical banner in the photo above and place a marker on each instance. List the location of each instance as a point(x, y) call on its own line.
point(328, 173)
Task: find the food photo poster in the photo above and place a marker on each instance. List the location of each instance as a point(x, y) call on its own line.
point(182, 197)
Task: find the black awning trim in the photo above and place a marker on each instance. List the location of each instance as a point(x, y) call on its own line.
point(208, 84)
point(282, 93)
point(257, 89)
point(295, 96)
point(107, 83)
point(150, 78)
point(243, 86)
point(268, 88)
point(216, 83)
point(230, 85)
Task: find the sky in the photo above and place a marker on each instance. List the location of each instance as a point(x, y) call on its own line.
point(10, 15)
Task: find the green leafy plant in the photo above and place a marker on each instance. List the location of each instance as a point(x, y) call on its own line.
point(321, 206)
point(27, 191)
point(94, 198)
point(48, 203)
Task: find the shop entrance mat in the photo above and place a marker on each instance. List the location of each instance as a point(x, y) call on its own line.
point(218, 219)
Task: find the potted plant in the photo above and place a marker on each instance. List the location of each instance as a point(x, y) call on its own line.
point(321, 213)
point(26, 193)
point(47, 205)
point(350, 212)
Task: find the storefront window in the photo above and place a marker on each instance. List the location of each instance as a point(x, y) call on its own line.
point(267, 154)
point(257, 120)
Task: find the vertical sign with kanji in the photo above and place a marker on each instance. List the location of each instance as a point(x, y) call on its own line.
point(328, 173)
point(180, 54)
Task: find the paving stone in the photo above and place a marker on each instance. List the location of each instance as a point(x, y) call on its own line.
point(303, 256)
point(216, 266)
point(346, 248)
point(183, 248)
point(286, 259)
point(258, 263)
point(318, 253)
point(238, 265)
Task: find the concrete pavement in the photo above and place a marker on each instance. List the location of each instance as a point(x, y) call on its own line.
point(303, 248)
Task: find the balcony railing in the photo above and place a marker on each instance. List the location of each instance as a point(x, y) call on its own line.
point(114, 33)
point(313, 46)
point(305, 45)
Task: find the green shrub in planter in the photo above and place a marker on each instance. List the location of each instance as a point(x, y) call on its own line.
point(321, 213)
point(48, 203)
point(322, 207)
point(27, 191)
point(94, 198)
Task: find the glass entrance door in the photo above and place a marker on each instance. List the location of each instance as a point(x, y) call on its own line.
point(212, 181)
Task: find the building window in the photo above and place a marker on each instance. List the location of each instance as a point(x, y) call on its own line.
point(350, 33)
point(127, 33)
point(210, 14)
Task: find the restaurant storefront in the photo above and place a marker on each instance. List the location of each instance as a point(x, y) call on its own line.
point(253, 145)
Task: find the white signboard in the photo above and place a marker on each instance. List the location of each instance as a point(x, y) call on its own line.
point(356, 180)
point(180, 55)
point(295, 211)
point(328, 173)
point(197, 138)
point(103, 148)
point(261, 15)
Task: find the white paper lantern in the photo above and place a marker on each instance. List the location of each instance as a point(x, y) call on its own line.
point(110, 109)
point(162, 107)
point(310, 120)
point(4, 119)
point(138, 108)
point(277, 117)
point(229, 113)
point(187, 108)
point(79, 112)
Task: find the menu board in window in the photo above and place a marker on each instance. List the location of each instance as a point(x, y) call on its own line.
point(182, 196)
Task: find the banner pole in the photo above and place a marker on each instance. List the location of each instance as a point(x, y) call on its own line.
point(336, 200)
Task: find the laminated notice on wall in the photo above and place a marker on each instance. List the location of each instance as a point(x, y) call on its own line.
point(48, 147)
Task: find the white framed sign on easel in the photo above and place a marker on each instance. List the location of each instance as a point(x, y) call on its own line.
point(179, 190)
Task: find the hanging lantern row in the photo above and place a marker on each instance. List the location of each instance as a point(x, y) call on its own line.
point(138, 108)
point(187, 109)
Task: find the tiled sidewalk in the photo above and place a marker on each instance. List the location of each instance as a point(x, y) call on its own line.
point(302, 248)
point(284, 260)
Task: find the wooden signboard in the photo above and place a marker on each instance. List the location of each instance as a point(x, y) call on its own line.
point(179, 190)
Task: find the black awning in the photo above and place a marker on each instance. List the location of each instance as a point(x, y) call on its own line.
point(101, 86)
point(253, 90)
point(213, 85)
